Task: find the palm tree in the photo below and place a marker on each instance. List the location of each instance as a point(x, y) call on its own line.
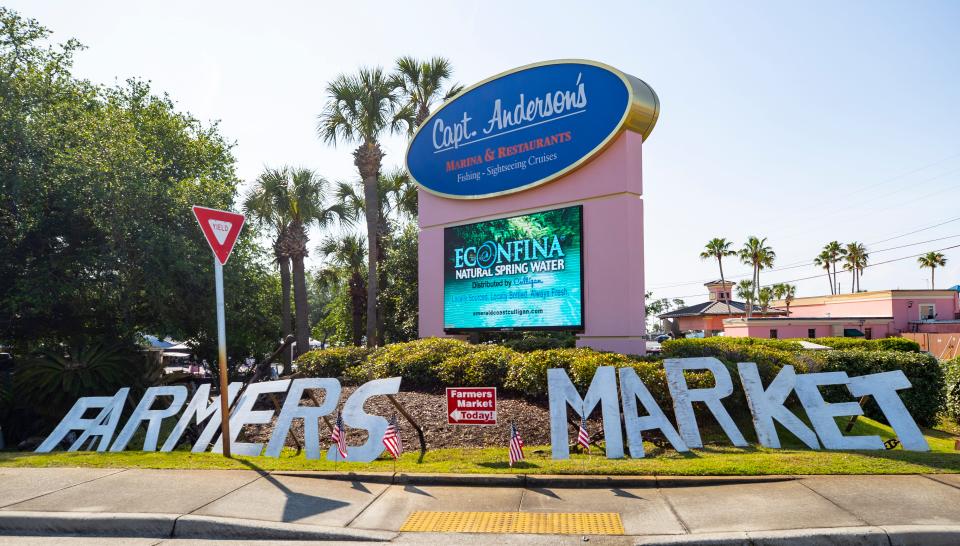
point(834, 253)
point(786, 292)
point(933, 260)
point(719, 248)
point(421, 84)
point(397, 196)
point(763, 298)
point(360, 109)
point(261, 207)
point(855, 260)
point(745, 292)
point(757, 255)
point(297, 196)
point(823, 260)
point(347, 254)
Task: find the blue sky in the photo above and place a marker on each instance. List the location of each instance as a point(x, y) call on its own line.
point(803, 122)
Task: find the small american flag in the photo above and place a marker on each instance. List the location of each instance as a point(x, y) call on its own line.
point(339, 437)
point(582, 437)
point(516, 445)
point(391, 438)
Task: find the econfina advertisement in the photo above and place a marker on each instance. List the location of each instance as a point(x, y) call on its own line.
point(523, 272)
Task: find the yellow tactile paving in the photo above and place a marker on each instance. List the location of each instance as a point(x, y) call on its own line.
point(580, 523)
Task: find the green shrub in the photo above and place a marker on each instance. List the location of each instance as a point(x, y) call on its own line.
point(770, 355)
point(883, 344)
point(331, 362)
point(528, 344)
point(925, 399)
point(951, 372)
point(485, 367)
point(418, 362)
point(527, 374)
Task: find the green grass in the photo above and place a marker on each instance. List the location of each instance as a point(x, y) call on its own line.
point(718, 460)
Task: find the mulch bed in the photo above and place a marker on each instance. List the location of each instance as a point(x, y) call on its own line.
point(430, 410)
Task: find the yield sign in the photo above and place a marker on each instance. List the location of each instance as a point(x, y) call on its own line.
point(221, 229)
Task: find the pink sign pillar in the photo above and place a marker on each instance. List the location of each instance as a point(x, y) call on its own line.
point(610, 188)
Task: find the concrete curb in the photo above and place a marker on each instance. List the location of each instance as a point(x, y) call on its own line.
point(892, 535)
point(206, 527)
point(538, 480)
point(87, 523)
point(174, 526)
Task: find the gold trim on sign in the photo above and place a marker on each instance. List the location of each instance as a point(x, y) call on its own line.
point(640, 116)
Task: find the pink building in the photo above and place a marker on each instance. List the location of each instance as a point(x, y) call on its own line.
point(873, 314)
point(709, 317)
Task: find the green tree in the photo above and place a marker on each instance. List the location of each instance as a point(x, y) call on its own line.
point(719, 248)
point(764, 296)
point(421, 83)
point(932, 260)
point(786, 292)
point(346, 255)
point(400, 295)
point(758, 255)
point(360, 109)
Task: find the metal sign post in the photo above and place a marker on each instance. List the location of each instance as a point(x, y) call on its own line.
point(222, 359)
point(221, 229)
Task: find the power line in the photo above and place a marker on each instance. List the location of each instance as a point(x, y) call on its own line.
point(822, 275)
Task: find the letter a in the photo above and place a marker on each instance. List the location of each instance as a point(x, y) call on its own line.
point(633, 389)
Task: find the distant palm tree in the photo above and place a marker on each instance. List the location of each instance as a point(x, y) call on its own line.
point(764, 295)
point(360, 109)
point(933, 260)
point(421, 84)
point(855, 260)
point(348, 254)
point(757, 255)
point(823, 260)
point(719, 248)
point(835, 253)
point(745, 292)
point(786, 292)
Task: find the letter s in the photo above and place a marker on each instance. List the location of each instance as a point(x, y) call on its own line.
point(355, 417)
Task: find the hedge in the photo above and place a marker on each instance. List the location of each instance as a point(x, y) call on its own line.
point(432, 364)
point(951, 391)
point(882, 344)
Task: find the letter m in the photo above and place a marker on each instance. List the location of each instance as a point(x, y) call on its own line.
point(603, 390)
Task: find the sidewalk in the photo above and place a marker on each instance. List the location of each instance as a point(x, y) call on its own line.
point(224, 504)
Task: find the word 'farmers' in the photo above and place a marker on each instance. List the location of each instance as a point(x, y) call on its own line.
point(766, 406)
point(201, 408)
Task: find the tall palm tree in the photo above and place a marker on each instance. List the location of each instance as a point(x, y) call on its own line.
point(757, 255)
point(261, 206)
point(933, 260)
point(786, 292)
point(421, 84)
point(347, 254)
point(834, 253)
point(823, 260)
point(745, 292)
point(719, 248)
point(855, 260)
point(360, 109)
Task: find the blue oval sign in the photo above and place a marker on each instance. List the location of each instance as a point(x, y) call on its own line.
point(527, 127)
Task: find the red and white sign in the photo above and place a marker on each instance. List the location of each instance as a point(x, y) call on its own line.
point(472, 405)
point(221, 229)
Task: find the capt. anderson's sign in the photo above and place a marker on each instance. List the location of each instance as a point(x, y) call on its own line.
point(527, 127)
point(766, 406)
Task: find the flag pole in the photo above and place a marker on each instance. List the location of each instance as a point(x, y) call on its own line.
point(222, 359)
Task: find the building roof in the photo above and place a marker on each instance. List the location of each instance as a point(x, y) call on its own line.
point(715, 308)
point(718, 281)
